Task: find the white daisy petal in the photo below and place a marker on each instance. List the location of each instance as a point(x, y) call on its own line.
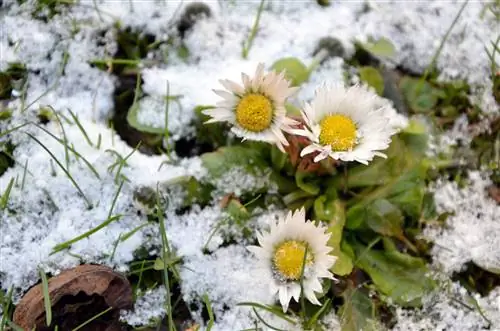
point(284, 297)
point(256, 110)
point(308, 150)
point(285, 245)
point(232, 86)
point(350, 124)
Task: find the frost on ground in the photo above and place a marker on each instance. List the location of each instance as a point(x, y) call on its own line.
point(48, 207)
point(472, 231)
point(453, 308)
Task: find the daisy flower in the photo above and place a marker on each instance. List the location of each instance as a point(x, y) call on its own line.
point(255, 110)
point(282, 252)
point(349, 124)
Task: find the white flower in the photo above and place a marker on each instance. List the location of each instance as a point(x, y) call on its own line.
point(282, 252)
point(255, 110)
point(352, 124)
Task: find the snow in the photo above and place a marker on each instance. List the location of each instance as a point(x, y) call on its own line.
point(452, 308)
point(48, 210)
point(472, 232)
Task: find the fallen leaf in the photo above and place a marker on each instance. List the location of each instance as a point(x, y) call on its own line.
point(77, 295)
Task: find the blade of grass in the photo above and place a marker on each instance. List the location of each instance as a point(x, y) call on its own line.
point(5, 196)
point(92, 319)
point(211, 318)
point(89, 165)
point(64, 139)
point(6, 302)
point(273, 310)
point(112, 255)
point(80, 126)
point(115, 198)
point(89, 204)
point(123, 237)
point(54, 86)
point(68, 243)
point(253, 32)
point(165, 251)
point(314, 319)
point(138, 288)
point(46, 297)
point(432, 65)
point(14, 326)
point(23, 180)
point(124, 161)
point(224, 221)
point(167, 133)
point(13, 129)
point(264, 322)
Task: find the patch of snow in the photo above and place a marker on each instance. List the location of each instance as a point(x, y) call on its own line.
point(148, 307)
point(239, 181)
point(472, 232)
point(452, 308)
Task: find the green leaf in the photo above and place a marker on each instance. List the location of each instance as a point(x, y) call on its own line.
point(381, 47)
point(334, 212)
point(294, 69)
point(404, 284)
point(372, 77)
point(385, 218)
point(343, 265)
point(311, 186)
point(239, 214)
point(336, 226)
point(409, 191)
point(358, 312)
point(278, 158)
point(404, 259)
point(356, 216)
point(420, 95)
point(133, 121)
point(415, 137)
point(381, 170)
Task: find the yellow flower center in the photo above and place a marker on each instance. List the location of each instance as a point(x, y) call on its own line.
point(254, 112)
point(338, 131)
point(289, 257)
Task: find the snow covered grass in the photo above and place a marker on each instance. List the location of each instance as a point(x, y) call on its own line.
point(72, 169)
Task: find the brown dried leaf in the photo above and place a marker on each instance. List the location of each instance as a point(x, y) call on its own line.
point(76, 295)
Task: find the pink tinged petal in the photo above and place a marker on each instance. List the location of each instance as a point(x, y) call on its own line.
point(232, 86)
point(226, 95)
point(300, 132)
point(279, 134)
point(321, 156)
point(284, 298)
point(308, 150)
point(246, 81)
point(289, 121)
